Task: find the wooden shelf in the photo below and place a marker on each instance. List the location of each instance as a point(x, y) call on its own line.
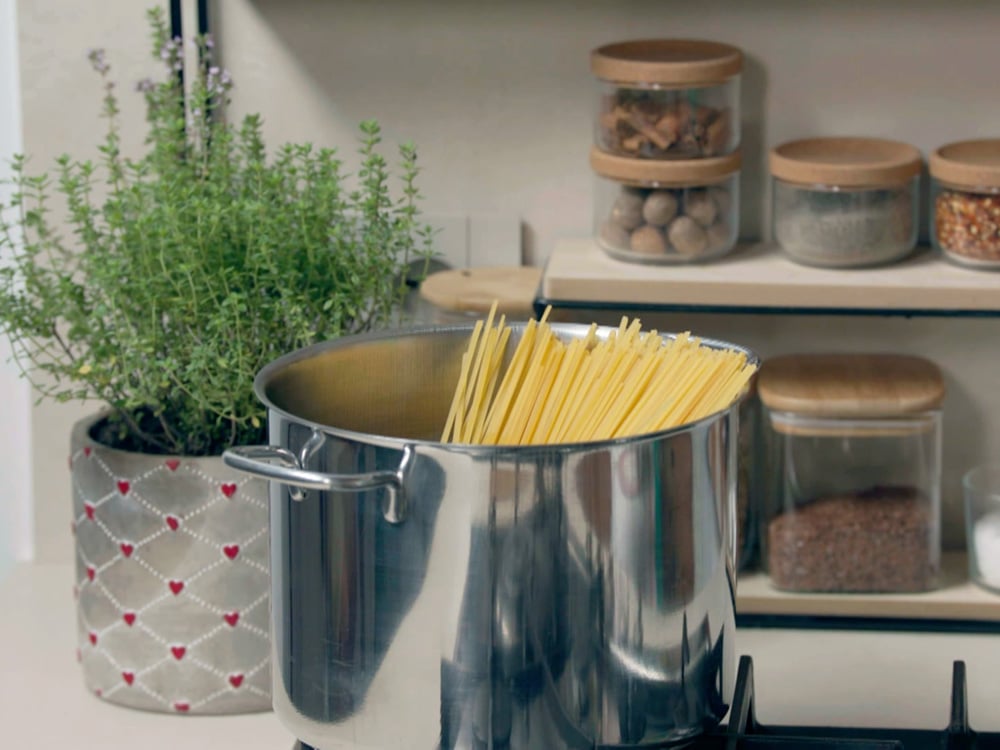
point(759, 278)
point(957, 599)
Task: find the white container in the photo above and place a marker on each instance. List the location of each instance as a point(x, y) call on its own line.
point(666, 211)
point(845, 202)
point(667, 98)
point(982, 530)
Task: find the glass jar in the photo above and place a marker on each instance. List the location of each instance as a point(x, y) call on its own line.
point(845, 202)
point(854, 473)
point(965, 199)
point(666, 211)
point(667, 98)
point(982, 525)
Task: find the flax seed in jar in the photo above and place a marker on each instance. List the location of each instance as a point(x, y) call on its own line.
point(965, 196)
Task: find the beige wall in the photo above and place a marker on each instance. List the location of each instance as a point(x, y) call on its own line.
point(498, 98)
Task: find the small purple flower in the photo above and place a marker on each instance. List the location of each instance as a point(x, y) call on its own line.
point(97, 61)
point(145, 86)
point(209, 42)
point(213, 71)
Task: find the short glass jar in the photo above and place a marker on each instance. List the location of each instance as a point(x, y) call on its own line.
point(965, 200)
point(666, 211)
point(667, 98)
point(845, 202)
point(853, 473)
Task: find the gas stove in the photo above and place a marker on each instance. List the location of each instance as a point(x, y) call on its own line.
point(744, 732)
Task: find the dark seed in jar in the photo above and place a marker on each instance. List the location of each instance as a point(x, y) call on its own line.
point(876, 540)
point(968, 224)
point(657, 125)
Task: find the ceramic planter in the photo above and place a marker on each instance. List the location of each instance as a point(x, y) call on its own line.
point(172, 580)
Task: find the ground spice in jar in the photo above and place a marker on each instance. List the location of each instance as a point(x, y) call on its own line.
point(871, 541)
point(844, 229)
point(968, 224)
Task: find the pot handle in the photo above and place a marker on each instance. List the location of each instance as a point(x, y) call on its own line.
point(281, 465)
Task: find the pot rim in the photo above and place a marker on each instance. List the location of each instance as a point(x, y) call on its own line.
point(270, 370)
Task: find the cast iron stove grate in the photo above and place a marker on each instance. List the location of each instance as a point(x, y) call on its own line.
point(744, 732)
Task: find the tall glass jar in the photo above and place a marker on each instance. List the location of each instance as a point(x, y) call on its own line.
point(854, 472)
point(965, 200)
point(845, 202)
point(667, 98)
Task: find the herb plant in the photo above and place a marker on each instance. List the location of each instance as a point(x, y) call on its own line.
point(177, 275)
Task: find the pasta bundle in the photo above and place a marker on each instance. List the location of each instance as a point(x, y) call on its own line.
point(630, 383)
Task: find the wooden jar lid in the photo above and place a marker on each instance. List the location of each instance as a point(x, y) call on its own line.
point(473, 290)
point(968, 164)
point(667, 62)
point(672, 173)
point(851, 385)
point(845, 162)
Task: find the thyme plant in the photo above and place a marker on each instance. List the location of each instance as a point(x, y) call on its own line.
point(175, 276)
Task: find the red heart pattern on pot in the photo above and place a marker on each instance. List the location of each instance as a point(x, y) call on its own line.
point(147, 680)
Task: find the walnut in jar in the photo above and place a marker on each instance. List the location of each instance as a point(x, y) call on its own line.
point(627, 209)
point(659, 208)
point(648, 240)
point(614, 235)
point(698, 204)
point(718, 237)
point(687, 237)
point(722, 199)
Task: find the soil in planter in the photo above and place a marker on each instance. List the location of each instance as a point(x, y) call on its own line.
point(112, 432)
point(876, 540)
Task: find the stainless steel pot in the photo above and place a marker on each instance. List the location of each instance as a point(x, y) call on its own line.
point(428, 595)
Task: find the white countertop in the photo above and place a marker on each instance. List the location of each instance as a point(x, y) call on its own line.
point(801, 677)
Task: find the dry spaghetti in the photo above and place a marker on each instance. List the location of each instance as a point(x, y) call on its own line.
point(628, 383)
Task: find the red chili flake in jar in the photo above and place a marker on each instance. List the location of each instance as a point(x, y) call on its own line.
point(968, 224)
point(967, 201)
